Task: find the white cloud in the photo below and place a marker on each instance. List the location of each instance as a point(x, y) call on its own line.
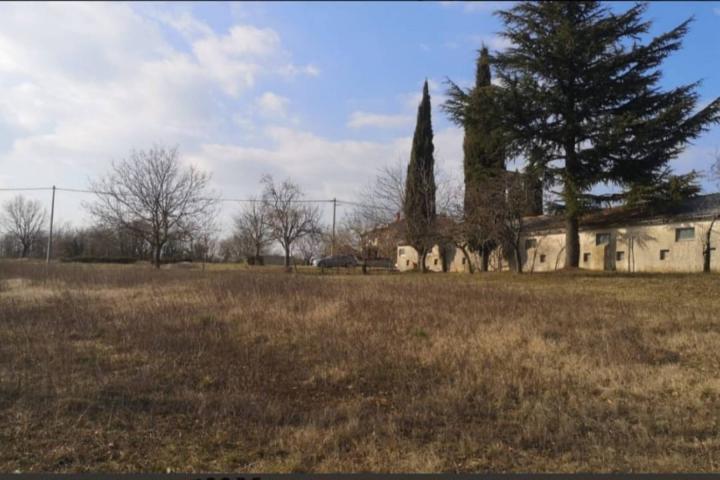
point(291, 70)
point(493, 42)
point(272, 105)
point(326, 168)
point(365, 119)
point(411, 100)
point(484, 6)
point(84, 84)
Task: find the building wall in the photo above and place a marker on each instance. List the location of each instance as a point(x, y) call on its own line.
point(628, 249)
point(407, 259)
point(633, 249)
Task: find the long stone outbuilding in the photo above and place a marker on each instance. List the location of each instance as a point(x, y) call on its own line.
point(672, 239)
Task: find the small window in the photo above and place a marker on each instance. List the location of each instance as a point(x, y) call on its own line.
point(530, 243)
point(407, 263)
point(463, 260)
point(401, 251)
point(619, 256)
point(602, 239)
point(664, 254)
point(542, 258)
point(586, 257)
point(684, 234)
point(435, 262)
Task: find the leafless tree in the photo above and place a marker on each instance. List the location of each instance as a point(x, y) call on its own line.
point(203, 239)
point(707, 241)
point(252, 231)
point(289, 216)
point(150, 194)
point(382, 200)
point(311, 246)
point(458, 231)
point(229, 249)
point(23, 220)
point(507, 201)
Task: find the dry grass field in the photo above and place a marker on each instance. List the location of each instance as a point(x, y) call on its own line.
point(122, 368)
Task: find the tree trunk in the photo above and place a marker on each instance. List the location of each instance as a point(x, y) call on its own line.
point(572, 241)
point(485, 263)
point(572, 207)
point(421, 261)
point(707, 253)
point(25, 250)
point(471, 269)
point(287, 257)
point(156, 256)
point(518, 260)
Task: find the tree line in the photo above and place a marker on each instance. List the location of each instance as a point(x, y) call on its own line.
point(576, 101)
point(149, 207)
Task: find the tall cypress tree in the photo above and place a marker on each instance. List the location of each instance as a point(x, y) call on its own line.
point(582, 100)
point(484, 153)
point(419, 205)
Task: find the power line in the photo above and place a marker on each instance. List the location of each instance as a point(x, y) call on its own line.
point(221, 199)
point(24, 189)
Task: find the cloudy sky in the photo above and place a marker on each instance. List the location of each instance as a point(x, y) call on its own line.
point(325, 93)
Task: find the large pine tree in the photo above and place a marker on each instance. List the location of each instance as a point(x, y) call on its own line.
point(583, 101)
point(419, 205)
point(483, 154)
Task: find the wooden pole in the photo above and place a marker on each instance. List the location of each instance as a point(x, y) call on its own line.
point(50, 233)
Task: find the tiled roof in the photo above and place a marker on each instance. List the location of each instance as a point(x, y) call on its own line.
point(700, 207)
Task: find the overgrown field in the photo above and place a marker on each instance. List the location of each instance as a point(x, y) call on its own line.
point(122, 368)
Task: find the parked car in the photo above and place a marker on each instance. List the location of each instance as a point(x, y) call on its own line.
point(337, 261)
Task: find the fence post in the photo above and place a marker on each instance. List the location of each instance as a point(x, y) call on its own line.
point(332, 245)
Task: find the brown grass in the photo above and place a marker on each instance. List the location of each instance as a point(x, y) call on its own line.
point(122, 368)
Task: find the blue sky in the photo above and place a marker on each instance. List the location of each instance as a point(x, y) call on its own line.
point(325, 93)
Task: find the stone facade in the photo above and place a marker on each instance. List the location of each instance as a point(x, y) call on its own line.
point(620, 239)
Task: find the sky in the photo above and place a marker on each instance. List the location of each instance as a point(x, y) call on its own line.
point(323, 93)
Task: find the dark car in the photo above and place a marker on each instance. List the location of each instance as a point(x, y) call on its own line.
point(337, 261)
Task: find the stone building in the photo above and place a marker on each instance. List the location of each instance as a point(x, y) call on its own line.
point(641, 239)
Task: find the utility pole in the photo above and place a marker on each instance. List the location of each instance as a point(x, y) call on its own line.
point(332, 245)
point(52, 214)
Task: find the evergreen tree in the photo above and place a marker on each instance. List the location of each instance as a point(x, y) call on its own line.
point(419, 207)
point(582, 98)
point(484, 154)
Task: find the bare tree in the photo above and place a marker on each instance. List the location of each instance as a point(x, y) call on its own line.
point(229, 249)
point(707, 241)
point(311, 246)
point(382, 200)
point(203, 240)
point(506, 201)
point(459, 231)
point(289, 217)
point(23, 220)
point(252, 230)
point(151, 195)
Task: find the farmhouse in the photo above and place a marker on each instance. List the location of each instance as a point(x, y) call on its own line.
point(640, 239)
